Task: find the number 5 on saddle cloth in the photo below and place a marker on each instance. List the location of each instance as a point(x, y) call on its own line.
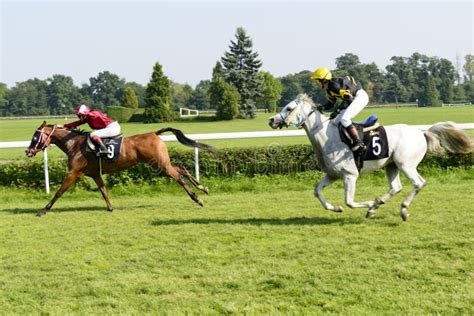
point(374, 137)
point(113, 145)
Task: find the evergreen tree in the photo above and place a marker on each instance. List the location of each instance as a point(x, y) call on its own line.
point(223, 96)
point(130, 99)
point(158, 98)
point(240, 68)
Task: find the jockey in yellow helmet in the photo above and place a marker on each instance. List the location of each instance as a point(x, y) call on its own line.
point(353, 97)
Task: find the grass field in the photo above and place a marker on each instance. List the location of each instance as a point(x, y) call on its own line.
point(259, 246)
point(22, 130)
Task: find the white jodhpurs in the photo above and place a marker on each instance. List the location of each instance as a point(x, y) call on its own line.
point(361, 99)
point(110, 131)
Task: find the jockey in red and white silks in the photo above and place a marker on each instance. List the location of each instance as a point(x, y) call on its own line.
point(102, 125)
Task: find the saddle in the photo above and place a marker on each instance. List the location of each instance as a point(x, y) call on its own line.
point(113, 145)
point(374, 137)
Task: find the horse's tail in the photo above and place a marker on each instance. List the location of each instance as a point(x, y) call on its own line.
point(184, 140)
point(445, 136)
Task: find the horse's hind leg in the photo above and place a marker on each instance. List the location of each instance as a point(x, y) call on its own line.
point(184, 172)
point(418, 183)
point(173, 173)
point(393, 176)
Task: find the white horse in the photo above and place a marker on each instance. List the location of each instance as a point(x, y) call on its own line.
point(407, 147)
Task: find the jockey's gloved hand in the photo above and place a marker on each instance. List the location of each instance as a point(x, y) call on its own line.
point(320, 108)
point(333, 115)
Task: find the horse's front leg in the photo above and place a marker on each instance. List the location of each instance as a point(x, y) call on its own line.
point(350, 189)
point(327, 180)
point(100, 183)
point(71, 177)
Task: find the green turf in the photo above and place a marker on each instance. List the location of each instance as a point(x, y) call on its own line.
point(19, 130)
point(22, 130)
point(259, 246)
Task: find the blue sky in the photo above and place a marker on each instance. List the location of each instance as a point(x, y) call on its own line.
point(82, 38)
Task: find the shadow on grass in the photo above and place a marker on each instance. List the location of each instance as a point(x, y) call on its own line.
point(55, 209)
point(297, 221)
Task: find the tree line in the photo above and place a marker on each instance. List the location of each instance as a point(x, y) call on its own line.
point(238, 87)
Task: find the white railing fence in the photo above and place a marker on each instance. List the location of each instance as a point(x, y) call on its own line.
point(198, 137)
point(188, 112)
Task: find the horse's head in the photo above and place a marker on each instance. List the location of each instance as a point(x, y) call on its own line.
point(294, 113)
point(41, 139)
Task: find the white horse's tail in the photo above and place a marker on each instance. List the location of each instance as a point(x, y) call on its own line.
point(445, 136)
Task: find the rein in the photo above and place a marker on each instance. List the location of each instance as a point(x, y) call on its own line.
point(312, 112)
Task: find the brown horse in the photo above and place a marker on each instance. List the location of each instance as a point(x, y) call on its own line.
point(147, 148)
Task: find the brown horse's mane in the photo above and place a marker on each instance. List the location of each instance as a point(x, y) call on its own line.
point(80, 131)
point(76, 130)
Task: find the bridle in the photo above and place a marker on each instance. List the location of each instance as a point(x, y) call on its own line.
point(311, 113)
point(306, 118)
point(43, 139)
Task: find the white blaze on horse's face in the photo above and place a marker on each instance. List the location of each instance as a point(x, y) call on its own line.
point(289, 116)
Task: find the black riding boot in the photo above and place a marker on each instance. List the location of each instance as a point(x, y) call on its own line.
point(357, 144)
point(102, 149)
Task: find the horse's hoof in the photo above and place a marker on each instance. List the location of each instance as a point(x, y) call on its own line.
point(206, 190)
point(337, 209)
point(110, 210)
point(378, 202)
point(200, 202)
point(370, 214)
point(404, 214)
point(40, 213)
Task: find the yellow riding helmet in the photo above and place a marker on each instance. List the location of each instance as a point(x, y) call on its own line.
point(322, 74)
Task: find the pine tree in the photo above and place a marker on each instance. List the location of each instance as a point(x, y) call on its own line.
point(158, 98)
point(240, 68)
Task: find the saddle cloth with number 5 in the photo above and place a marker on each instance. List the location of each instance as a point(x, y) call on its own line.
point(374, 137)
point(377, 144)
